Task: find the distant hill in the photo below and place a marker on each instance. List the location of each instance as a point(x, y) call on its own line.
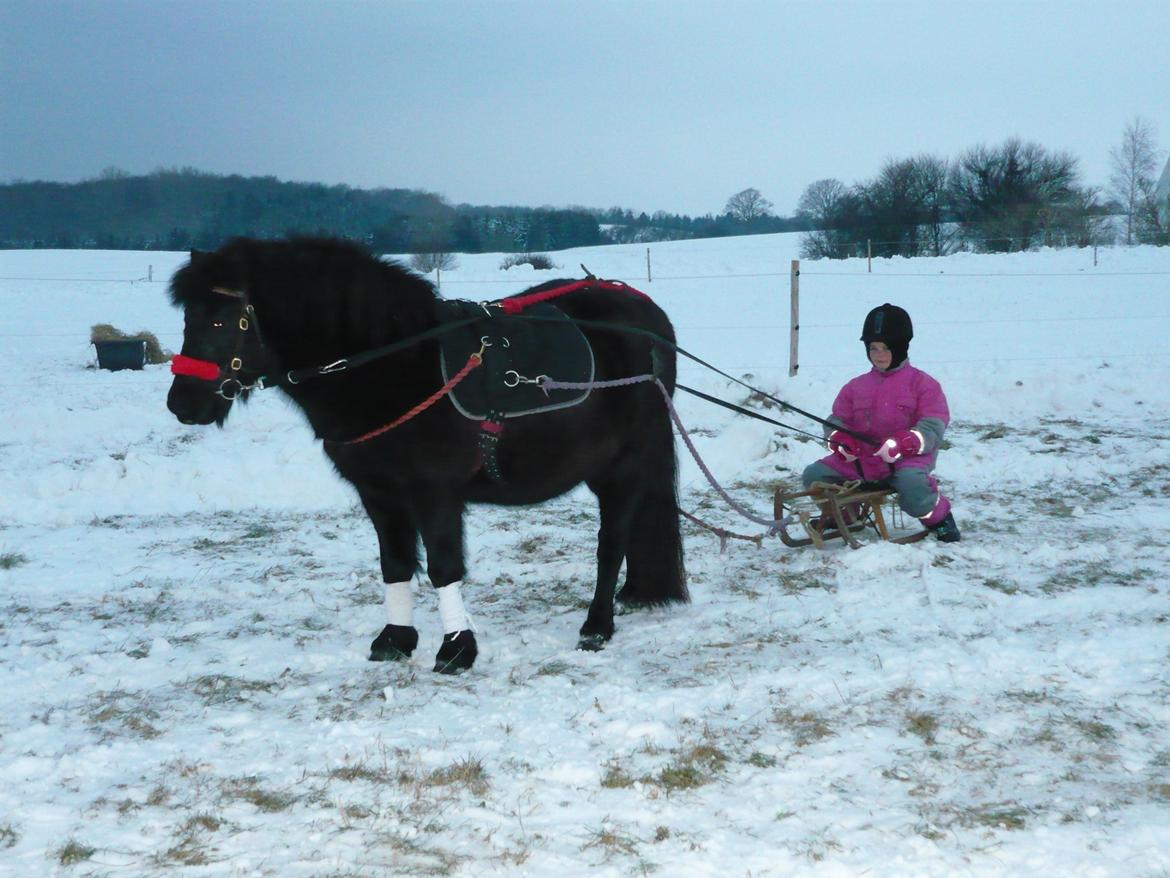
point(184, 209)
point(181, 209)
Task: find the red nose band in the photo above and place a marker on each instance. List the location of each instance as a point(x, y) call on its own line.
point(203, 369)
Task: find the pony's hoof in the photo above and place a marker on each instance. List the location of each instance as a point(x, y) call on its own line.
point(457, 654)
point(591, 642)
point(628, 602)
point(394, 644)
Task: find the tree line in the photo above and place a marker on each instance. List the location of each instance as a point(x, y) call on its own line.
point(1013, 196)
point(184, 209)
point(181, 209)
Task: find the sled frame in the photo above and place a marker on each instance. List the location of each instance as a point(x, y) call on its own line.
point(823, 499)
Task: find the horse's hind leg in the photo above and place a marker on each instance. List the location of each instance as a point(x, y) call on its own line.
point(654, 558)
point(398, 549)
point(616, 505)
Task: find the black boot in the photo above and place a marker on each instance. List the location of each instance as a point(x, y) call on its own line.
point(394, 644)
point(946, 530)
point(457, 653)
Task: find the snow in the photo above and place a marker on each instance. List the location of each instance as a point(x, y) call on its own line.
point(187, 611)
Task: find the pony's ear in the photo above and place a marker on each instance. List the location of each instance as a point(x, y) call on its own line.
point(225, 271)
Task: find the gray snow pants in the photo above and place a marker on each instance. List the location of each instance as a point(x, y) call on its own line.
point(917, 489)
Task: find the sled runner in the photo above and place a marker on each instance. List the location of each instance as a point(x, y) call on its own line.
point(830, 512)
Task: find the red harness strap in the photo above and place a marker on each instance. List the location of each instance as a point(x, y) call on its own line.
point(473, 362)
point(203, 369)
point(516, 304)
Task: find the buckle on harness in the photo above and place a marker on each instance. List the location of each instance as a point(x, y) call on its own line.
point(512, 378)
point(223, 391)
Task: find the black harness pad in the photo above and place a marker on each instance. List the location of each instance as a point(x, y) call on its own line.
point(517, 349)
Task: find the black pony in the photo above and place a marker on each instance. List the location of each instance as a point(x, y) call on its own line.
point(295, 313)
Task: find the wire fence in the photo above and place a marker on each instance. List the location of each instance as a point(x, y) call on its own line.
point(810, 271)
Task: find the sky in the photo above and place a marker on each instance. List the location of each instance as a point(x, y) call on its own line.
point(671, 106)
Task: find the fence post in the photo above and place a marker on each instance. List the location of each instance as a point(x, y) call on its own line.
point(794, 318)
point(648, 277)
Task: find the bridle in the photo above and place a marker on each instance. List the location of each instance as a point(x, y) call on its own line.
point(231, 384)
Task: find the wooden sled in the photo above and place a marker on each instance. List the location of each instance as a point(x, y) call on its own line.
point(821, 513)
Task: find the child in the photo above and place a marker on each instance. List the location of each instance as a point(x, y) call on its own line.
point(902, 413)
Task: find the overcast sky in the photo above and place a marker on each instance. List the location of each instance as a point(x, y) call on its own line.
point(671, 105)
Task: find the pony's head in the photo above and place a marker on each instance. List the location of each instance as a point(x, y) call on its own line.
point(222, 355)
point(319, 300)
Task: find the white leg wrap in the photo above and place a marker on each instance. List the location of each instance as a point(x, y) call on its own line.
point(400, 604)
point(451, 612)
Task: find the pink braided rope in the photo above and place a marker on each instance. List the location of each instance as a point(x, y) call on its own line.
point(771, 524)
point(553, 384)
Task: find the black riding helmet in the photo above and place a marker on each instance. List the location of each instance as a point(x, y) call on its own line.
point(890, 325)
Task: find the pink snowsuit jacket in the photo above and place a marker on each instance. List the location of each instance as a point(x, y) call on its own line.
point(879, 404)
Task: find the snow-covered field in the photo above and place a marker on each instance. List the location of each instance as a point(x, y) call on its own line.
point(186, 612)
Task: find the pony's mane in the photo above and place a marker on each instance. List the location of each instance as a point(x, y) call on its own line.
point(333, 288)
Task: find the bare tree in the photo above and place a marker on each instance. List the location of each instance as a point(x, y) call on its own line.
point(441, 261)
point(1077, 221)
point(1152, 223)
point(829, 208)
point(1134, 163)
point(748, 205)
point(931, 174)
point(889, 209)
point(818, 203)
point(424, 263)
point(1004, 196)
point(902, 208)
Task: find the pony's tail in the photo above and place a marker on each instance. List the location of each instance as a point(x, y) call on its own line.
point(655, 573)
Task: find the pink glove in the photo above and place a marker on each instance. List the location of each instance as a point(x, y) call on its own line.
point(904, 443)
point(844, 446)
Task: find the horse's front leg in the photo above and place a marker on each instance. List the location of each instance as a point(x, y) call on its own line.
point(398, 549)
point(440, 521)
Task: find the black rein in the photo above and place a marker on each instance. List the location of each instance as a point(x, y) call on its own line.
point(298, 376)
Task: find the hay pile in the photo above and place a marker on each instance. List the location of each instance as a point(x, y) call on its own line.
point(155, 352)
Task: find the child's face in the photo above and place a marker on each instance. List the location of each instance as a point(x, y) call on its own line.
point(879, 355)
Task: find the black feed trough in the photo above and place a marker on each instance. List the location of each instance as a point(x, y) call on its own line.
point(117, 355)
